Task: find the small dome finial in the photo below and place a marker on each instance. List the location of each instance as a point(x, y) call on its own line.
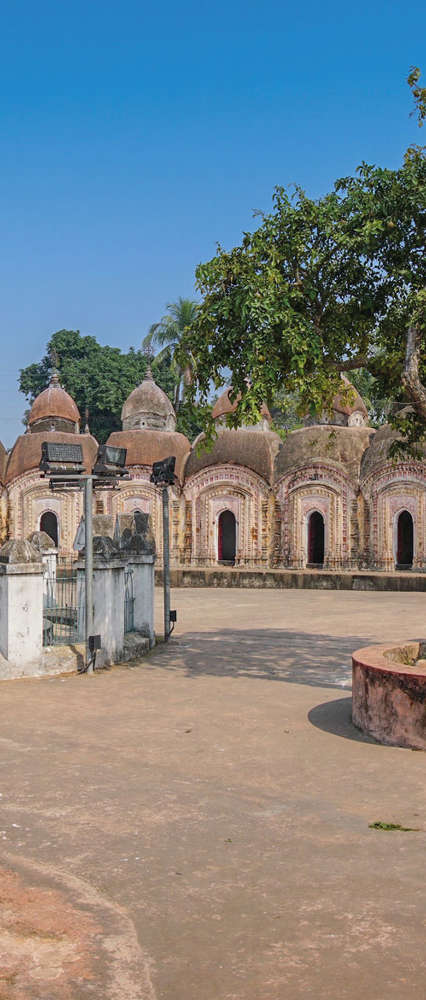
point(54, 378)
point(148, 373)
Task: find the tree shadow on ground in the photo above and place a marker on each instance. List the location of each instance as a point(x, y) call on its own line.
point(265, 654)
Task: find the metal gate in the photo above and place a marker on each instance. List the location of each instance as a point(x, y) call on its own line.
point(60, 611)
point(129, 601)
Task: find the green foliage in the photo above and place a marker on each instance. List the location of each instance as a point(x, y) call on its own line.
point(99, 378)
point(380, 825)
point(191, 419)
point(379, 410)
point(275, 311)
point(419, 94)
point(320, 287)
point(165, 338)
point(385, 223)
point(285, 413)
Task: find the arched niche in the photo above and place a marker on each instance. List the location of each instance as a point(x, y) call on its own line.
point(226, 537)
point(404, 540)
point(49, 524)
point(316, 539)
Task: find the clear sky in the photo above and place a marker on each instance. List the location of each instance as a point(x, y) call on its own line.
point(134, 136)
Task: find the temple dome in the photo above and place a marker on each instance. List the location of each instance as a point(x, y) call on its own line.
point(26, 452)
point(379, 452)
point(247, 447)
point(146, 446)
point(224, 405)
point(54, 409)
point(342, 446)
point(353, 408)
point(3, 463)
point(345, 412)
point(148, 408)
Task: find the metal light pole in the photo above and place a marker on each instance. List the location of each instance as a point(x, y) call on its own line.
point(163, 474)
point(166, 562)
point(88, 568)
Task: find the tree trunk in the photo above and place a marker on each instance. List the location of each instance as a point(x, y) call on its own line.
point(177, 399)
point(410, 376)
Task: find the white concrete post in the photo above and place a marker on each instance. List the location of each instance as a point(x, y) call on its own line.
point(108, 606)
point(135, 537)
point(48, 555)
point(143, 567)
point(21, 605)
point(108, 609)
point(49, 560)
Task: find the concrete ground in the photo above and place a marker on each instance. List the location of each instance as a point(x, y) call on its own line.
point(196, 827)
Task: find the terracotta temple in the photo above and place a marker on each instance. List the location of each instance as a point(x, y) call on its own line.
point(329, 495)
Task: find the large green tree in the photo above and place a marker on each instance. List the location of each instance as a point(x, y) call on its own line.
point(98, 377)
point(321, 287)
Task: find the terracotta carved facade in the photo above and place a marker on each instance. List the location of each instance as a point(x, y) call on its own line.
point(329, 495)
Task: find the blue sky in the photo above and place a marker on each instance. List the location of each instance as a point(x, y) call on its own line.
point(134, 137)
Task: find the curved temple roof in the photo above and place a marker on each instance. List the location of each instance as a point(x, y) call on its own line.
point(54, 402)
point(147, 446)
point(26, 452)
point(250, 448)
point(223, 406)
point(148, 407)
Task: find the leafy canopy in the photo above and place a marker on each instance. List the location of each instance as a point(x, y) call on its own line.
point(321, 287)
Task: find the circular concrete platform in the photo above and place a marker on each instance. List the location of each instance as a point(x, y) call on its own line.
point(389, 694)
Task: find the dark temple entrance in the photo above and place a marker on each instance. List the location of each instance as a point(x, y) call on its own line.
point(227, 537)
point(49, 524)
point(405, 541)
point(315, 539)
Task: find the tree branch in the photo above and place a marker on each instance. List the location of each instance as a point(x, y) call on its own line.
point(361, 361)
point(410, 376)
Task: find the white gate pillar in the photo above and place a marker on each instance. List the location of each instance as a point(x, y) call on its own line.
point(142, 567)
point(48, 555)
point(21, 605)
point(108, 600)
point(136, 540)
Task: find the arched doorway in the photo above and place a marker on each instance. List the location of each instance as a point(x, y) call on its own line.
point(315, 539)
point(404, 541)
point(226, 537)
point(49, 524)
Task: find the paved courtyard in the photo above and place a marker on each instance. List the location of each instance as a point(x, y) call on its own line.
point(196, 826)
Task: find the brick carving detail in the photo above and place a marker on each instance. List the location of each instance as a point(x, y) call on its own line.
point(360, 518)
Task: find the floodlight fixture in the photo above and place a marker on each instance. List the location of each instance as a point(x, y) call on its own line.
point(163, 473)
point(58, 458)
point(110, 461)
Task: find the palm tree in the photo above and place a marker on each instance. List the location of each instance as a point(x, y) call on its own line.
point(164, 337)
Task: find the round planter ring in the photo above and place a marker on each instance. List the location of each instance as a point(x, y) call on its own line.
point(388, 696)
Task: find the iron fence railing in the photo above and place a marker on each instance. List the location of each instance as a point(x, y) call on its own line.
point(129, 601)
point(60, 608)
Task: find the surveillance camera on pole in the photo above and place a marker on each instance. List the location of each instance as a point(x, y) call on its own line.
point(63, 464)
point(163, 474)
